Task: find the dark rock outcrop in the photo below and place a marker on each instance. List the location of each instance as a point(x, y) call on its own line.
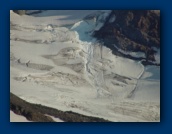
point(20, 12)
point(37, 112)
point(132, 30)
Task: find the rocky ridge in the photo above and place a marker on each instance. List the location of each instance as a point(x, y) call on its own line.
point(132, 30)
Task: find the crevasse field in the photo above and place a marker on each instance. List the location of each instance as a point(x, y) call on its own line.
point(54, 61)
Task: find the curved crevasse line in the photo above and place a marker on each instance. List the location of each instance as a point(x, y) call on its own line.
point(141, 73)
point(96, 79)
point(130, 95)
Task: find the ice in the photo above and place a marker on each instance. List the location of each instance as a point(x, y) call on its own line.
point(64, 67)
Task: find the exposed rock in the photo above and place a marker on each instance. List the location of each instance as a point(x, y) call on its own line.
point(37, 113)
point(132, 30)
point(20, 12)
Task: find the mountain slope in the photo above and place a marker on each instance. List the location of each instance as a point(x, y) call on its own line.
point(132, 30)
point(55, 61)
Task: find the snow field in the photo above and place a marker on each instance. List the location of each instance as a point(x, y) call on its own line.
point(67, 69)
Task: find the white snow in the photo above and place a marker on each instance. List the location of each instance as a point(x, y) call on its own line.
point(17, 118)
point(55, 119)
point(69, 70)
point(133, 54)
point(83, 28)
point(148, 88)
point(54, 17)
point(101, 19)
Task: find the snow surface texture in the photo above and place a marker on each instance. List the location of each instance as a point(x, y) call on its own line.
point(65, 68)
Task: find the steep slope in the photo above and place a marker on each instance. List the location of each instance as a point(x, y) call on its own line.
point(40, 113)
point(64, 67)
point(132, 30)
